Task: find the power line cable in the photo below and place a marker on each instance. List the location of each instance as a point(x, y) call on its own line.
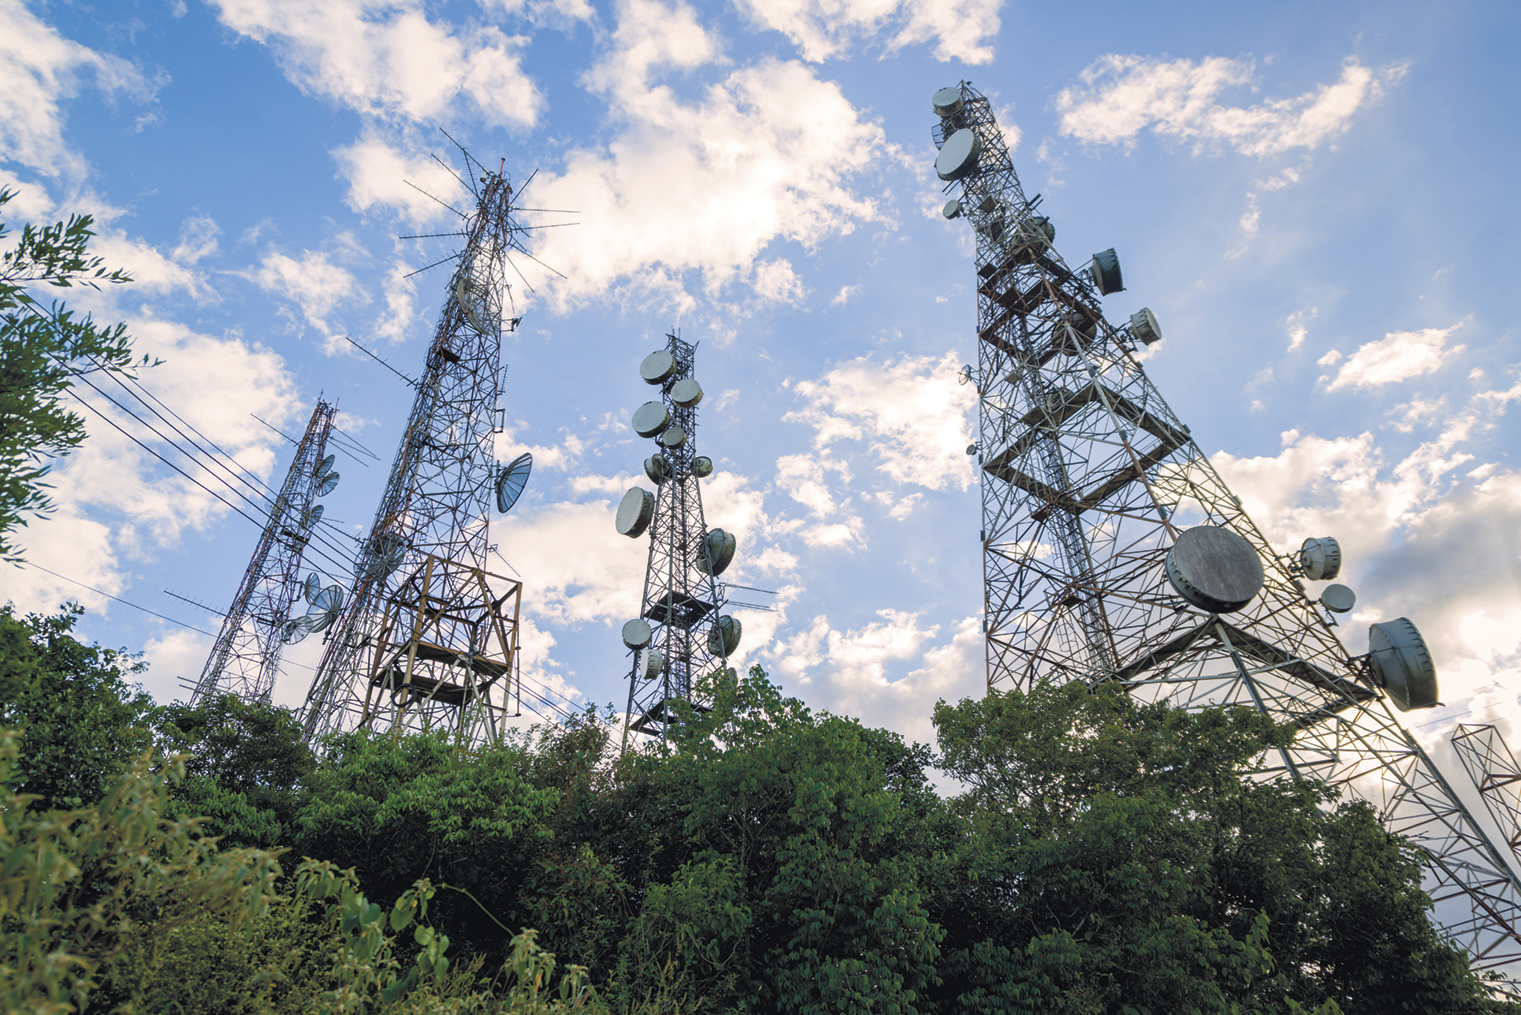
point(118, 599)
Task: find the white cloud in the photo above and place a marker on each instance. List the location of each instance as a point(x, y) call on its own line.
point(400, 320)
point(821, 29)
point(1122, 95)
point(198, 239)
point(384, 175)
point(386, 59)
point(312, 282)
point(1397, 356)
point(38, 69)
point(843, 296)
point(151, 270)
point(1298, 323)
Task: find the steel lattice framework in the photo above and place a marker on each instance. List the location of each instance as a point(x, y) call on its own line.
point(245, 658)
point(429, 637)
point(1089, 477)
point(1495, 774)
point(680, 601)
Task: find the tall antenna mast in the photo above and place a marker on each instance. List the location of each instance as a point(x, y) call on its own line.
point(1114, 553)
point(681, 632)
point(245, 658)
point(429, 638)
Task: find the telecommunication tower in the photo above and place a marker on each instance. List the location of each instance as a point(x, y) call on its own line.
point(429, 637)
point(1494, 772)
point(245, 658)
point(681, 632)
point(1114, 553)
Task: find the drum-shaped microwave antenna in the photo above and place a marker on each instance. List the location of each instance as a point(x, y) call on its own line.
point(947, 101)
point(702, 466)
point(1402, 665)
point(657, 366)
point(327, 484)
point(634, 513)
point(723, 636)
point(1143, 324)
point(510, 484)
point(1215, 569)
point(1106, 272)
point(657, 469)
point(653, 663)
point(674, 437)
point(958, 157)
point(952, 209)
point(636, 633)
point(1320, 556)
point(311, 587)
point(686, 392)
point(651, 418)
point(1338, 599)
point(715, 552)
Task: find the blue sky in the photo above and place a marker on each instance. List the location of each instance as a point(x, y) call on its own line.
point(1317, 202)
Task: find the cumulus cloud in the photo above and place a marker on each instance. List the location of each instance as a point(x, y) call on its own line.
point(152, 271)
point(1398, 356)
point(382, 174)
point(388, 60)
point(1123, 95)
point(312, 283)
point(822, 29)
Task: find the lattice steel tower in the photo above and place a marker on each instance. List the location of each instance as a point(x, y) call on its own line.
point(1113, 551)
point(681, 632)
point(429, 637)
point(245, 658)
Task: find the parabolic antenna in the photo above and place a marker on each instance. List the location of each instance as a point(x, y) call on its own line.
point(311, 587)
point(634, 513)
point(1321, 558)
point(686, 392)
point(674, 437)
point(1214, 569)
point(325, 466)
point(1338, 599)
point(653, 663)
point(656, 468)
point(723, 636)
point(1106, 272)
point(1402, 664)
point(509, 485)
point(952, 209)
point(313, 516)
point(327, 484)
point(475, 292)
point(1034, 236)
point(325, 608)
point(388, 550)
point(650, 419)
point(947, 101)
point(296, 629)
point(702, 466)
point(958, 157)
point(636, 633)
point(657, 366)
point(715, 552)
point(1143, 323)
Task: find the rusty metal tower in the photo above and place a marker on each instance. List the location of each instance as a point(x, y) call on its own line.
point(681, 633)
point(428, 638)
point(1114, 553)
point(245, 658)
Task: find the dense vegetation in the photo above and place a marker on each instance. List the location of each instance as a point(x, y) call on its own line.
point(1102, 857)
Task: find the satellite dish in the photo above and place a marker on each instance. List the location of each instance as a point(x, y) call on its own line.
point(1033, 237)
point(327, 483)
point(473, 289)
point(1075, 333)
point(1338, 599)
point(715, 552)
point(325, 466)
point(654, 662)
point(657, 366)
point(509, 485)
point(1106, 272)
point(958, 157)
point(650, 419)
point(702, 466)
point(723, 636)
point(313, 516)
point(325, 608)
point(686, 392)
point(674, 437)
point(311, 587)
point(1143, 324)
point(952, 210)
point(1402, 664)
point(634, 513)
point(656, 468)
point(1321, 558)
point(296, 629)
point(947, 101)
point(636, 633)
point(387, 551)
point(1215, 569)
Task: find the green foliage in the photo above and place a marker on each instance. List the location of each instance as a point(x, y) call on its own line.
point(80, 719)
point(42, 351)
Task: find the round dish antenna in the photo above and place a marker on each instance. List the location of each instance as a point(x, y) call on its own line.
point(325, 466)
point(297, 629)
point(723, 636)
point(634, 513)
point(636, 633)
point(657, 366)
point(473, 289)
point(1033, 238)
point(1143, 324)
point(1320, 556)
point(674, 437)
point(952, 210)
point(327, 484)
point(686, 392)
point(1214, 569)
point(654, 662)
point(325, 608)
point(311, 587)
point(1402, 665)
point(1106, 272)
point(715, 552)
point(1338, 599)
point(313, 516)
point(958, 157)
point(702, 466)
point(947, 101)
point(510, 484)
point(650, 419)
point(388, 551)
point(656, 468)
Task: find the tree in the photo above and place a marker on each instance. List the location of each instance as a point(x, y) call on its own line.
point(42, 350)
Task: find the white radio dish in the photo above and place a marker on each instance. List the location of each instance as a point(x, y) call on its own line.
point(656, 468)
point(311, 587)
point(952, 210)
point(1338, 599)
point(650, 419)
point(313, 516)
point(636, 633)
point(510, 484)
point(1402, 665)
point(327, 484)
point(657, 366)
point(634, 513)
point(1106, 272)
point(325, 466)
point(1143, 323)
point(1321, 558)
point(947, 101)
point(1215, 569)
point(702, 466)
point(715, 552)
point(686, 392)
point(723, 636)
point(959, 155)
point(473, 289)
point(653, 663)
point(674, 437)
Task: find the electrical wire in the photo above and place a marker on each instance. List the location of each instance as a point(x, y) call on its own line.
point(118, 599)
